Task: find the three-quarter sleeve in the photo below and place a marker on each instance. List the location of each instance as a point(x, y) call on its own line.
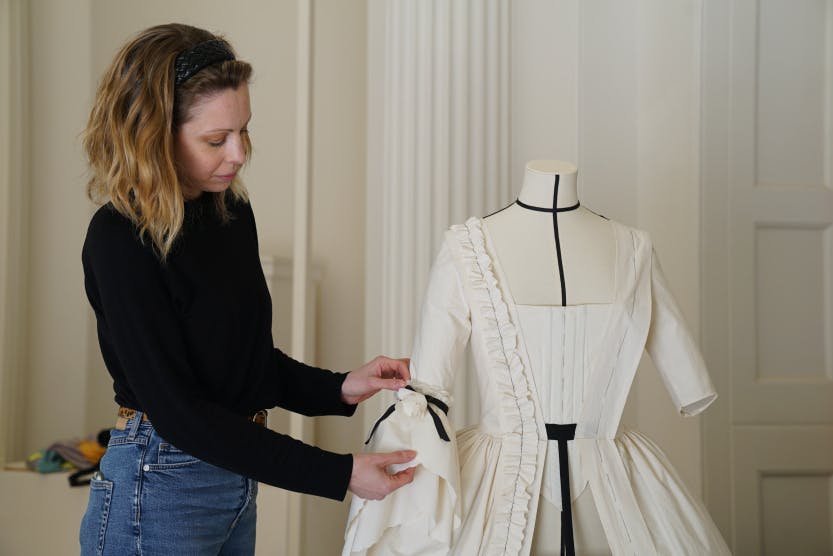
point(421, 517)
point(674, 351)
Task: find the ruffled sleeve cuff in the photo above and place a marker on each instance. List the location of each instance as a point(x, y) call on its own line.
point(422, 517)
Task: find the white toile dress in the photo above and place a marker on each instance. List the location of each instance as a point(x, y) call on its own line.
point(478, 492)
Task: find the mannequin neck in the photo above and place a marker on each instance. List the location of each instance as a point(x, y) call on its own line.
point(539, 185)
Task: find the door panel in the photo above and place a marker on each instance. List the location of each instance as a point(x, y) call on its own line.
point(768, 278)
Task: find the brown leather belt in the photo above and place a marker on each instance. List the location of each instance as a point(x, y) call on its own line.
point(125, 414)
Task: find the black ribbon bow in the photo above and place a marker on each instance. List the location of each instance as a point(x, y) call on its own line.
point(438, 424)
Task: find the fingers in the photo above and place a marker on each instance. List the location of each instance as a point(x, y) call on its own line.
point(394, 368)
point(382, 373)
point(370, 479)
point(405, 368)
point(390, 458)
point(387, 383)
point(401, 479)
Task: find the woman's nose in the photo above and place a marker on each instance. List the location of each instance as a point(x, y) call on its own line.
point(236, 152)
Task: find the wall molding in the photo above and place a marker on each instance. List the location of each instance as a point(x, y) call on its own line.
point(14, 205)
point(300, 428)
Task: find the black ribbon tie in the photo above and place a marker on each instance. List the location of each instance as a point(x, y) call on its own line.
point(563, 434)
point(438, 424)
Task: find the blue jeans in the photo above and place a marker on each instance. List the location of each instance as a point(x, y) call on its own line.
point(154, 499)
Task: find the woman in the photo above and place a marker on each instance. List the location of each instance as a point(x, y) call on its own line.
point(184, 316)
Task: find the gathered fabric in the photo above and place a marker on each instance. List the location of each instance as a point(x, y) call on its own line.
point(478, 493)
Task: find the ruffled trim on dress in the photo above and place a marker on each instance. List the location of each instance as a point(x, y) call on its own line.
point(519, 455)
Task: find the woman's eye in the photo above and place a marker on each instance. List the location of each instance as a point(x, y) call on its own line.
point(217, 143)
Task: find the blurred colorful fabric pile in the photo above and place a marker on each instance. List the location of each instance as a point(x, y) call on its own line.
point(66, 455)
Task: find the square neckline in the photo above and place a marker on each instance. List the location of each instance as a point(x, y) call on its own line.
point(510, 297)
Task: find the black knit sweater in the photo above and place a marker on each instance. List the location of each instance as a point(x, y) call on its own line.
point(189, 342)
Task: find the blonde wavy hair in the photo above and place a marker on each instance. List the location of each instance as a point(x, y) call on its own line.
point(129, 138)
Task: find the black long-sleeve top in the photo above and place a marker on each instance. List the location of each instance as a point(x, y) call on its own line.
point(189, 342)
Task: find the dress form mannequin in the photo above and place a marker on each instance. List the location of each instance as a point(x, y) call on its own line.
point(557, 308)
point(525, 243)
point(586, 241)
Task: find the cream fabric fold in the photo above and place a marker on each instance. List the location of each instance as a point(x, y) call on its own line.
point(424, 523)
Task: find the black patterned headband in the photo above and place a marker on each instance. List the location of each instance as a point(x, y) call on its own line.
point(190, 62)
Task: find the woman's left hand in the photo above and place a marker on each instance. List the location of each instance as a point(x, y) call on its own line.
point(382, 373)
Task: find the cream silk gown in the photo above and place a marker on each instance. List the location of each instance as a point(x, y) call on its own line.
point(477, 493)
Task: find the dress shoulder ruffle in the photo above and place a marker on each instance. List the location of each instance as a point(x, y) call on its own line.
point(519, 447)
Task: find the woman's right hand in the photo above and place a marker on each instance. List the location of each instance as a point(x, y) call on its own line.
point(370, 479)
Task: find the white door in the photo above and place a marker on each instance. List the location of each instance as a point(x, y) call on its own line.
point(767, 151)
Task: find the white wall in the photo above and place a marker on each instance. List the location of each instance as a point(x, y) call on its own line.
point(14, 134)
point(614, 87)
point(338, 225)
point(56, 348)
point(669, 201)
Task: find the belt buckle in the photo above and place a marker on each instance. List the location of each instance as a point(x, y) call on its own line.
point(126, 412)
point(260, 417)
